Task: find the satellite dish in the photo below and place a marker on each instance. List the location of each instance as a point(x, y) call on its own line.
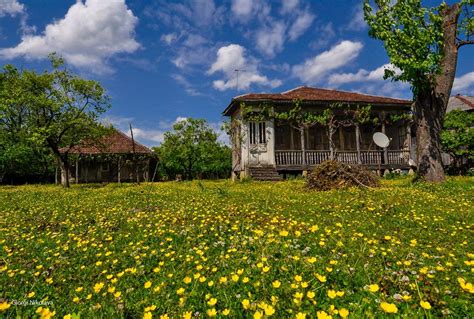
point(411, 162)
point(381, 139)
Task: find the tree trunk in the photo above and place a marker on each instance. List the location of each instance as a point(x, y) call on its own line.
point(331, 143)
point(431, 103)
point(303, 147)
point(64, 166)
point(357, 129)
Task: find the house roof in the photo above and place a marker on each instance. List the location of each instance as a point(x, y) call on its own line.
point(462, 102)
point(116, 142)
point(311, 94)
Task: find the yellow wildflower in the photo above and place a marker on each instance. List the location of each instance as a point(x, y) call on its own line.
point(388, 307)
point(425, 305)
point(373, 288)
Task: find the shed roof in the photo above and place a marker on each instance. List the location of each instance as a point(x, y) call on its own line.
point(462, 102)
point(311, 94)
point(116, 142)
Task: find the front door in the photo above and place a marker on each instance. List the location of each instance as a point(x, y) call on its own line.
point(257, 143)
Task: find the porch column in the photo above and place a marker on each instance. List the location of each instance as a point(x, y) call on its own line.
point(147, 174)
point(270, 135)
point(385, 150)
point(77, 171)
point(409, 139)
point(357, 128)
point(245, 145)
point(119, 168)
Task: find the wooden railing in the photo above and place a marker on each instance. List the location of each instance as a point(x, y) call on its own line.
point(295, 157)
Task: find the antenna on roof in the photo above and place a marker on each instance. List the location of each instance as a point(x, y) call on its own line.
point(237, 71)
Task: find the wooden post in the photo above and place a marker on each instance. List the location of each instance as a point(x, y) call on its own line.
point(77, 171)
point(134, 156)
point(119, 168)
point(385, 149)
point(147, 173)
point(359, 161)
point(409, 139)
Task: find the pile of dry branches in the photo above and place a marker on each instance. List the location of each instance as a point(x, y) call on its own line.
point(334, 175)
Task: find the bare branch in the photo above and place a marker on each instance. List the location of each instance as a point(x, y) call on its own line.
point(465, 42)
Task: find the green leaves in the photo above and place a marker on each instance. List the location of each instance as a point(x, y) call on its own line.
point(457, 137)
point(192, 150)
point(50, 110)
point(412, 37)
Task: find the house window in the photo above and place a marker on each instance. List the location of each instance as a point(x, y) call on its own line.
point(105, 167)
point(257, 132)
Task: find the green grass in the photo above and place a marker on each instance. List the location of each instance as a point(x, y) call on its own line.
point(198, 243)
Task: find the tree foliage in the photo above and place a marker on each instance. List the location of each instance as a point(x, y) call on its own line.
point(457, 137)
point(192, 150)
point(53, 110)
point(413, 37)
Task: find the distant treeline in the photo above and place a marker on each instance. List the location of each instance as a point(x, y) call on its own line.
point(44, 115)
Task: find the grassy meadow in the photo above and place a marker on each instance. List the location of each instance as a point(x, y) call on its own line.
point(237, 250)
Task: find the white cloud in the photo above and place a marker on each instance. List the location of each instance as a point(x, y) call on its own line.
point(463, 83)
point(301, 24)
point(11, 8)
point(372, 82)
point(90, 33)
point(326, 35)
point(231, 58)
point(270, 39)
point(242, 8)
point(155, 135)
point(357, 22)
point(313, 69)
point(188, 86)
point(289, 5)
point(169, 38)
point(362, 75)
point(385, 88)
point(148, 135)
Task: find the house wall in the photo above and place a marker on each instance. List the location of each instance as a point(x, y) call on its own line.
point(257, 154)
point(107, 172)
point(283, 137)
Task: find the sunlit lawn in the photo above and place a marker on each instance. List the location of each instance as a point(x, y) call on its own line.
point(245, 250)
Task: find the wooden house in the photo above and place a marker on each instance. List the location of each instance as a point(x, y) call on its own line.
point(266, 149)
point(113, 158)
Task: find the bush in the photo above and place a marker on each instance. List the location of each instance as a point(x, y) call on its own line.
point(335, 175)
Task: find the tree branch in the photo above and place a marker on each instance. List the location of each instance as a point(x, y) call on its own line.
point(465, 42)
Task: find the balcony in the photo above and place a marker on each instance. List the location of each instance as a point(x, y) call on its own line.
point(293, 159)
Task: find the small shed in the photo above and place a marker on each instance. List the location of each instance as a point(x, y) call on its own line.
point(114, 158)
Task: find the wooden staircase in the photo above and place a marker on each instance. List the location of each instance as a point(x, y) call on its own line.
point(264, 173)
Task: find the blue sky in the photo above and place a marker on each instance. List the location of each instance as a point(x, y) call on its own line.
point(165, 60)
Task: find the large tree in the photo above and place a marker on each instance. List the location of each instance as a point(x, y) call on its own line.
point(20, 158)
point(55, 109)
point(423, 44)
point(192, 150)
